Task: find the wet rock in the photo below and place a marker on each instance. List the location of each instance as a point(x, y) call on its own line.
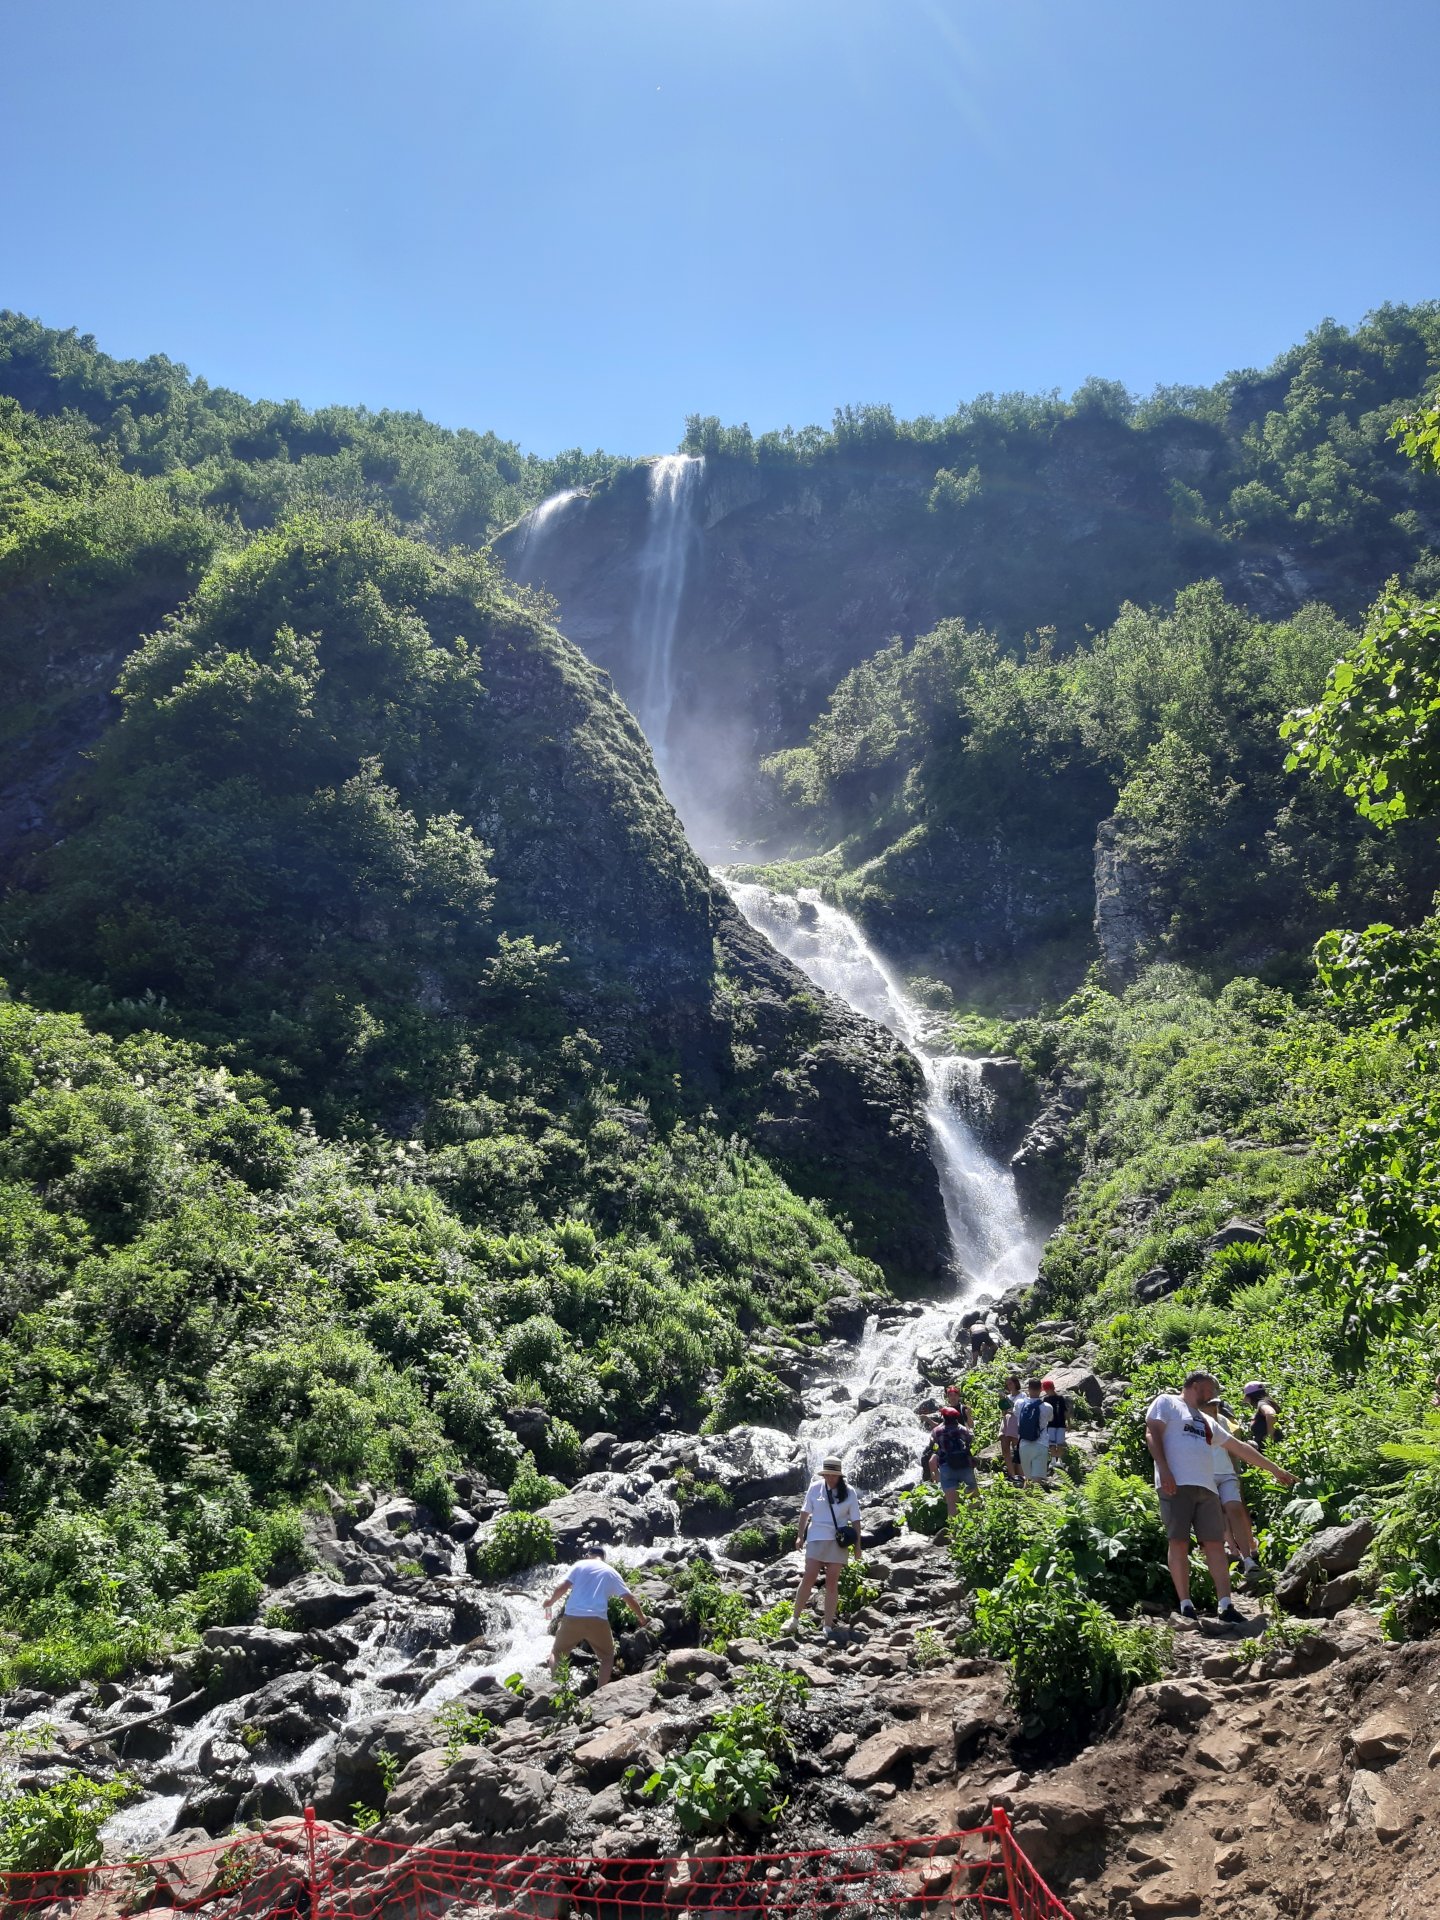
point(317, 1602)
point(1047, 1160)
point(277, 1798)
point(227, 1774)
point(845, 1317)
point(1332, 1551)
point(881, 1448)
point(292, 1710)
point(753, 1463)
point(596, 1449)
point(236, 1660)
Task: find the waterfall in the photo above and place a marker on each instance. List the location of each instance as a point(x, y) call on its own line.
point(663, 563)
point(537, 529)
point(992, 1245)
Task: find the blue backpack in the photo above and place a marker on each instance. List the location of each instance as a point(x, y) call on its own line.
point(952, 1444)
point(1030, 1419)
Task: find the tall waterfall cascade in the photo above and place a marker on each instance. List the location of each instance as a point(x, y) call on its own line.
point(664, 562)
point(993, 1245)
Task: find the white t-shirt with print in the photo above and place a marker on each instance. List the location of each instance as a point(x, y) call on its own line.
point(593, 1586)
point(822, 1527)
point(1188, 1442)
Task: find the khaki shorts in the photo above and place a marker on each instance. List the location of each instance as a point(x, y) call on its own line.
point(825, 1553)
point(1192, 1510)
point(575, 1628)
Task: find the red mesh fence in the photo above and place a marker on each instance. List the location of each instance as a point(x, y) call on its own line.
point(301, 1870)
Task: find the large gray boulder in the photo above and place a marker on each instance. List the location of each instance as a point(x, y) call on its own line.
point(753, 1463)
point(1331, 1552)
point(478, 1792)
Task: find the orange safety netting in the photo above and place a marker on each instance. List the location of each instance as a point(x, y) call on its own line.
point(303, 1870)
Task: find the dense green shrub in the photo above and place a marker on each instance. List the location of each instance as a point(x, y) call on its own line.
point(989, 1535)
point(1071, 1662)
point(59, 1825)
point(750, 1395)
point(513, 1542)
point(531, 1489)
point(227, 1596)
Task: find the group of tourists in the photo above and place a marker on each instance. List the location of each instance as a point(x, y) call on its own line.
point(1196, 1456)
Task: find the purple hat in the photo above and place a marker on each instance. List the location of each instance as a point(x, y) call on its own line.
point(1254, 1387)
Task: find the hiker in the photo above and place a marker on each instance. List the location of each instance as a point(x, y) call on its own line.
point(955, 1397)
point(829, 1527)
point(1264, 1414)
point(1032, 1423)
point(1010, 1428)
point(1239, 1533)
point(977, 1343)
point(590, 1586)
point(950, 1459)
point(1180, 1436)
point(1059, 1418)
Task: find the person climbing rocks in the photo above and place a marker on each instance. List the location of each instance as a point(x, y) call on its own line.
point(1059, 1406)
point(588, 1588)
point(950, 1457)
point(1180, 1436)
point(1010, 1428)
point(828, 1530)
point(1239, 1533)
point(1032, 1425)
point(1264, 1414)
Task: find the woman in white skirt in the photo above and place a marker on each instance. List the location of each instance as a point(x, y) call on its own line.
point(828, 1530)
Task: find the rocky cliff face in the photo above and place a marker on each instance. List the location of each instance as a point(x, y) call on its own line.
point(799, 573)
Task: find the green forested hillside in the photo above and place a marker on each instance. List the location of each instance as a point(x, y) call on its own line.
point(1052, 511)
point(959, 790)
point(252, 462)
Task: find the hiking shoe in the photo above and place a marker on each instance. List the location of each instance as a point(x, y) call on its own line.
point(1187, 1610)
point(1251, 1569)
point(1228, 1614)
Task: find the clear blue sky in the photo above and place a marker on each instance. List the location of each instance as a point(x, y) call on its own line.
point(579, 220)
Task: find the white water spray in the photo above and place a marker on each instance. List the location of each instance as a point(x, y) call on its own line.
point(664, 561)
point(537, 532)
point(992, 1244)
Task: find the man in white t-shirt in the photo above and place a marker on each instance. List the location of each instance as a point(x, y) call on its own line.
point(1180, 1438)
point(591, 1586)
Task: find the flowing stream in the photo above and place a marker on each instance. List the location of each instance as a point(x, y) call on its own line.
point(865, 1403)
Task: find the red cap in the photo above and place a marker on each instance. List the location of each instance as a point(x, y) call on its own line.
point(1047, 1386)
point(950, 1413)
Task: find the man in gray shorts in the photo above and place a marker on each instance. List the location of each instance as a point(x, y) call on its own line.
point(1180, 1437)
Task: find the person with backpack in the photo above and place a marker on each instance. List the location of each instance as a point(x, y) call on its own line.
point(1180, 1437)
point(828, 1530)
point(1059, 1418)
point(1032, 1423)
point(950, 1457)
point(1009, 1427)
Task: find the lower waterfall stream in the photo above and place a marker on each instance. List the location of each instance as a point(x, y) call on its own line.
point(864, 1397)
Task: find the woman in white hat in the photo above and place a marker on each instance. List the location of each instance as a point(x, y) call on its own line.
point(828, 1530)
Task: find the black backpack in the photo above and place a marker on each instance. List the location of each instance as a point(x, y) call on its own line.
point(952, 1444)
point(1059, 1410)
